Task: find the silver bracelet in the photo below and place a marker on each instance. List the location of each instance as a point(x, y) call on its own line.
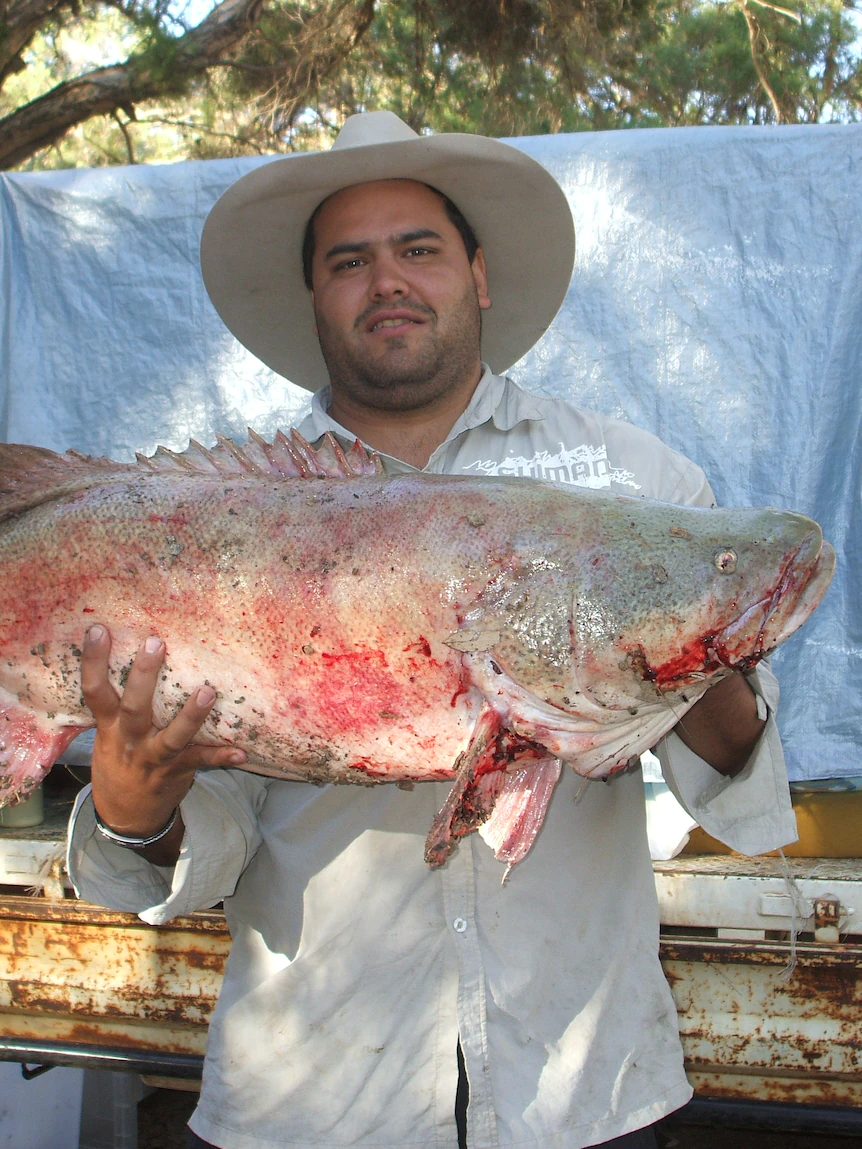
point(135, 843)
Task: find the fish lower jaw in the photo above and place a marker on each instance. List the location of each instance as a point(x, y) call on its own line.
point(594, 739)
point(805, 584)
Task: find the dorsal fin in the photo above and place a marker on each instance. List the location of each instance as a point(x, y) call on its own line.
point(290, 458)
point(30, 476)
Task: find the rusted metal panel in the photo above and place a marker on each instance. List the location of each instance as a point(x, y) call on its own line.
point(73, 912)
point(71, 972)
point(727, 1086)
point(753, 1029)
point(150, 1034)
point(74, 972)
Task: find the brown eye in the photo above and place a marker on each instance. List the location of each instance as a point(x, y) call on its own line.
point(725, 560)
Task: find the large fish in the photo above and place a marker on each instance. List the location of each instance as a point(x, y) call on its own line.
point(364, 628)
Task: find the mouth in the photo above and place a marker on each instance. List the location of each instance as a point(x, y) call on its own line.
point(801, 585)
point(392, 322)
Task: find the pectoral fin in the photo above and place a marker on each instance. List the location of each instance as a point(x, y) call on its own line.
point(444, 830)
point(502, 788)
point(474, 639)
point(520, 810)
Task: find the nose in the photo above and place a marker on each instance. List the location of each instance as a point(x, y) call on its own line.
point(387, 279)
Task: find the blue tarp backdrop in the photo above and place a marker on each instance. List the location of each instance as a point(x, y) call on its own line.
point(716, 300)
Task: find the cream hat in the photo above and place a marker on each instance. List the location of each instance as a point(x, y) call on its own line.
point(251, 247)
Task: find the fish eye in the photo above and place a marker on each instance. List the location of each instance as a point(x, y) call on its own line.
point(725, 560)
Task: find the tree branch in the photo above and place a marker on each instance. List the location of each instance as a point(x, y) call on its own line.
point(19, 23)
point(194, 125)
point(781, 11)
point(130, 151)
point(754, 35)
point(43, 121)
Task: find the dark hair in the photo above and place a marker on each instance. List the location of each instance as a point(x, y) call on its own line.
point(453, 212)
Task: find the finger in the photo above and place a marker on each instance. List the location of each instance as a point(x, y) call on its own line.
point(200, 757)
point(96, 687)
point(181, 730)
point(136, 704)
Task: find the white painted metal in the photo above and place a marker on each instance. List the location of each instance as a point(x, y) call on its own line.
point(744, 894)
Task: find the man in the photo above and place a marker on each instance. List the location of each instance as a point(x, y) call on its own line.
point(356, 973)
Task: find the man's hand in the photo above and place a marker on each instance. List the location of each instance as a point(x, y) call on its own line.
point(140, 773)
point(722, 727)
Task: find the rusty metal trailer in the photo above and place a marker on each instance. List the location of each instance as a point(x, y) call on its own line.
point(760, 955)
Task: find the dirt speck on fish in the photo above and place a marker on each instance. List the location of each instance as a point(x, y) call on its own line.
point(367, 629)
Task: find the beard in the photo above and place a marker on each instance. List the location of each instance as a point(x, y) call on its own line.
point(405, 375)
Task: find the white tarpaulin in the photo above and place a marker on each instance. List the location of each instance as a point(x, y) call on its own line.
point(716, 300)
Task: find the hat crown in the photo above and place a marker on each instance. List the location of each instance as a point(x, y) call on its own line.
point(368, 128)
point(252, 240)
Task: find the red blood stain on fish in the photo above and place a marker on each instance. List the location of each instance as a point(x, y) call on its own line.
point(374, 770)
point(691, 658)
point(350, 691)
point(462, 689)
point(422, 646)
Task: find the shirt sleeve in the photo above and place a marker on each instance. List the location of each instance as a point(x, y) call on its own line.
point(751, 812)
point(222, 834)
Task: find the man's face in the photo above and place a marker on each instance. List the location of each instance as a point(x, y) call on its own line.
point(396, 301)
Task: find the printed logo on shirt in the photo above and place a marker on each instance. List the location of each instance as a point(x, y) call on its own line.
point(584, 466)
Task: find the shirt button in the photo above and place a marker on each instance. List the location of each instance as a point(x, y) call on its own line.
point(459, 925)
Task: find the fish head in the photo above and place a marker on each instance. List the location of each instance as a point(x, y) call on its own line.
point(675, 597)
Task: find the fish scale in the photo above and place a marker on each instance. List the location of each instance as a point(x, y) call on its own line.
point(360, 628)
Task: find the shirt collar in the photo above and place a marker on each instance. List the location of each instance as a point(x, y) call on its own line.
point(497, 399)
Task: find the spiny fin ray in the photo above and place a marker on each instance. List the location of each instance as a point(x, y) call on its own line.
point(30, 476)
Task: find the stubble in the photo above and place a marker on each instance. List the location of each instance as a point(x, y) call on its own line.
point(404, 376)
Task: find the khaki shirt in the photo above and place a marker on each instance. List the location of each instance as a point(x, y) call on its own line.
point(355, 968)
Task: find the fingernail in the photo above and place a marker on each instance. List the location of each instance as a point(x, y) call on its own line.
point(205, 695)
point(236, 758)
point(152, 645)
point(95, 633)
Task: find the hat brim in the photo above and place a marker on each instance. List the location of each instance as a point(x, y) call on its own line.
point(251, 247)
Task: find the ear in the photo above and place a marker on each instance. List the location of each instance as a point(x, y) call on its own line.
point(314, 310)
point(480, 278)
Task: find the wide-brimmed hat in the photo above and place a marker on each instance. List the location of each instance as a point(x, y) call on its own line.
point(251, 248)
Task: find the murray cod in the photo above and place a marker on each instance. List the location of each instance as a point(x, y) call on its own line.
point(363, 628)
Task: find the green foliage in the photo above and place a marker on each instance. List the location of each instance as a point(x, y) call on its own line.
point(525, 67)
point(499, 67)
point(699, 66)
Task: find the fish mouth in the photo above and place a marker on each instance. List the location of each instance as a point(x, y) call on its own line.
point(802, 583)
point(800, 589)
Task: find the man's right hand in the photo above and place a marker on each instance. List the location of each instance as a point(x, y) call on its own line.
point(141, 773)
